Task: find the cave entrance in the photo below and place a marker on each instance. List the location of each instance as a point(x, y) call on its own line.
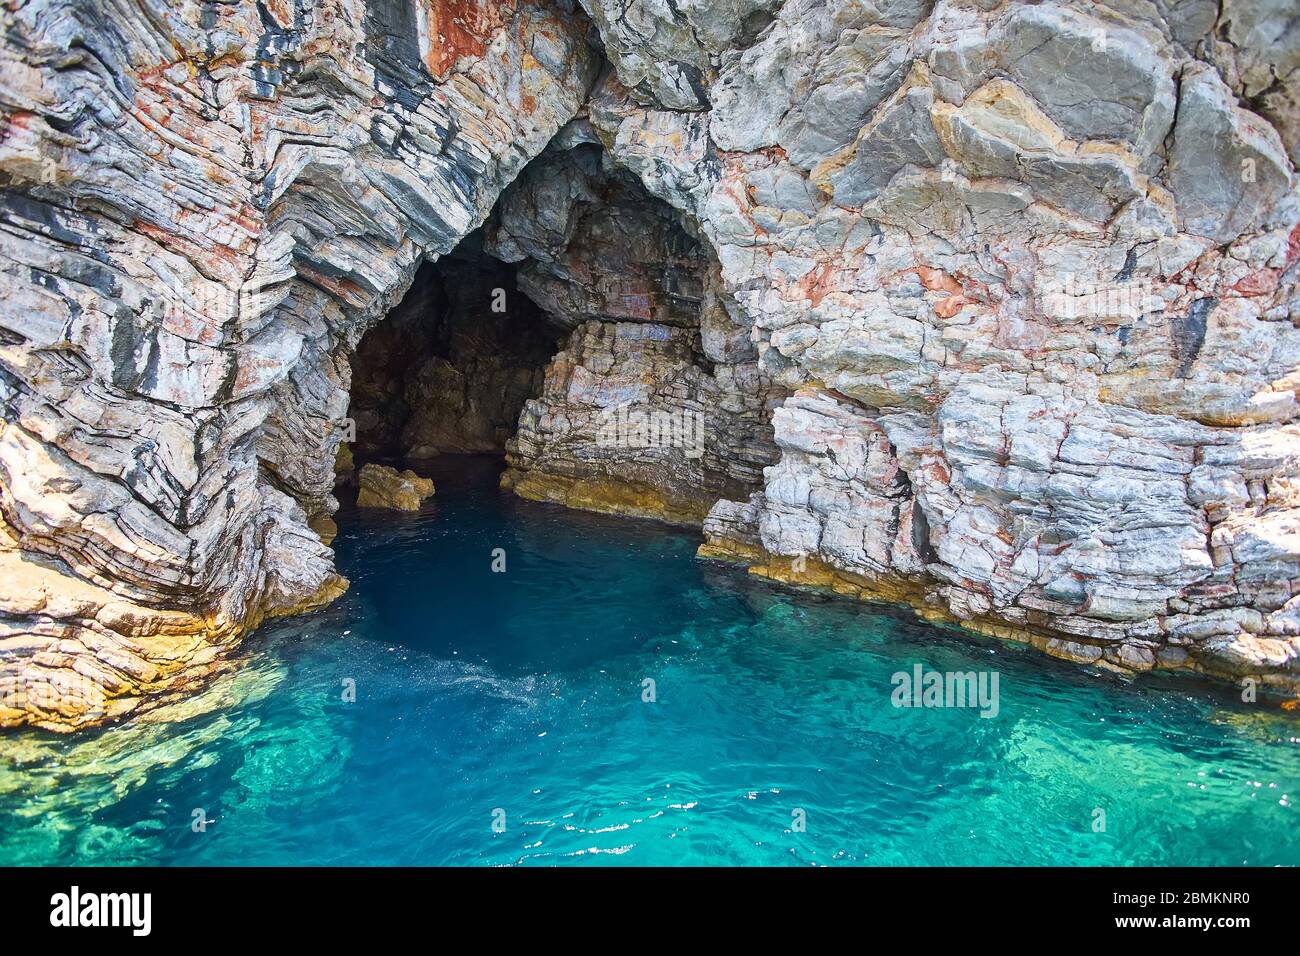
point(573, 241)
point(582, 331)
point(449, 368)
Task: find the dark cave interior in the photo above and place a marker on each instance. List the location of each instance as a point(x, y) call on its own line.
point(450, 367)
point(573, 239)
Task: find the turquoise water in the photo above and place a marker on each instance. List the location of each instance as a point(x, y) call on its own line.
point(521, 692)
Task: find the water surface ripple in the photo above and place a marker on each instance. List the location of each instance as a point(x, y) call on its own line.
point(522, 692)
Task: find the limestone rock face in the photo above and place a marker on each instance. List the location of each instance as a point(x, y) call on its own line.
point(1031, 273)
point(593, 245)
point(987, 306)
point(655, 406)
point(629, 421)
point(203, 208)
point(382, 486)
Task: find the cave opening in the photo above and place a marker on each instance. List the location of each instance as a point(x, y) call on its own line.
point(449, 368)
point(580, 331)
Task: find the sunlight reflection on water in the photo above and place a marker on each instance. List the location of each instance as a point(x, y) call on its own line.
point(521, 692)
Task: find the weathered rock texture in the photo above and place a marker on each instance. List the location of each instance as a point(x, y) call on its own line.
point(1032, 270)
point(593, 244)
point(382, 486)
point(204, 207)
point(1028, 272)
point(630, 422)
point(655, 406)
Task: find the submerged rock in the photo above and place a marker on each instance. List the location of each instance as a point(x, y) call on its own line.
point(384, 487)
point(204, 208)
point(991, 307)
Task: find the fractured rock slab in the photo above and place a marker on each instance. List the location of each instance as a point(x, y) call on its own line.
point(382, 486)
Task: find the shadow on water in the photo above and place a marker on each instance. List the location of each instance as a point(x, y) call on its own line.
point(519, 697)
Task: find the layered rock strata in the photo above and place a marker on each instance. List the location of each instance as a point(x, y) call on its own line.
point(203, 207)
point(1031, 269)
point(1021, 278)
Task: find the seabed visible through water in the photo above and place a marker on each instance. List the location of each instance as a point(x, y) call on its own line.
point(504, 718)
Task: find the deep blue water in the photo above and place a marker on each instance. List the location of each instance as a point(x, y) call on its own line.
point(521, 692)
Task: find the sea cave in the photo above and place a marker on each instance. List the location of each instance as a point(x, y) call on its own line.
point(542, 432)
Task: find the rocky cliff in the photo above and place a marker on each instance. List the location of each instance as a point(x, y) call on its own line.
point(205, 206)
point(987, 306)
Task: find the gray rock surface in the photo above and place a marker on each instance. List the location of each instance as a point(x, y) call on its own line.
point(1028, 270)
point(203, 208)
point(1043, 277)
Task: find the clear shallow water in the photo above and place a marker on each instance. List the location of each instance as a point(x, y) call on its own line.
point(522, 691)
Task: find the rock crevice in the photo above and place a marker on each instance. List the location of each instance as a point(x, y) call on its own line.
point(988, 307)
point(205, 206)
